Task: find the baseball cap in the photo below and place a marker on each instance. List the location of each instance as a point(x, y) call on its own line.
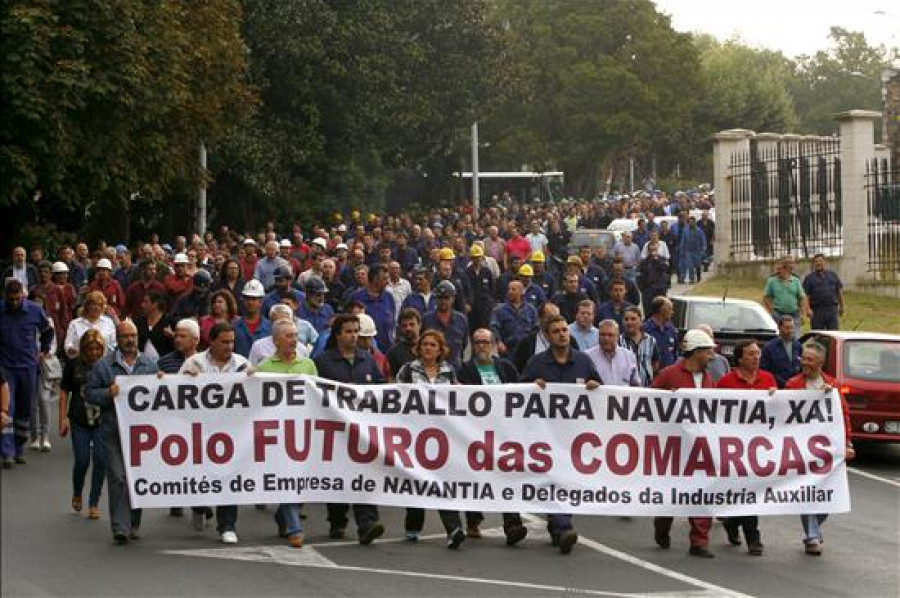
point(445, 288)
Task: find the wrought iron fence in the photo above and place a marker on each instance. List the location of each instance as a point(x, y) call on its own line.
point(786, 199)
point(883, 191)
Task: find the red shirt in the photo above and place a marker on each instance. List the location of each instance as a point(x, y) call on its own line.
point(115, 297)
point(798, 382)
point(136, 293)
point(677, 376)
point(177, 286)
point(248, 266)
point(519, 247)
point(763, 381)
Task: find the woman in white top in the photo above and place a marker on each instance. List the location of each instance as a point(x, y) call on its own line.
point(94, 316)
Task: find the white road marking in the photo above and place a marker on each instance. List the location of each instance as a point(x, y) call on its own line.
point(639, 562)
point(872, 476)
point(308, 556)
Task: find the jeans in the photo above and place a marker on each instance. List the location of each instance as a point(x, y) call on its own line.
point(811, 525)
point(558, 523)
point(226, 518)
point(87, 446)
point(288, 514)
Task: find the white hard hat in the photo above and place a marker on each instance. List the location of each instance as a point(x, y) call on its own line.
point(59, 267)
point(103, 263)
point(249, 241)
point(696, 339)
point(367, 325)
point(181, 258)
point(341, 246)
point(320, 242)
point(284, 243)
point(253, 288)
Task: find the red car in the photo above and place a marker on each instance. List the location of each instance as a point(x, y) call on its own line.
point(867, 368)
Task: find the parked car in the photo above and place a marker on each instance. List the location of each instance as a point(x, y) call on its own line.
point(867, 368)
point(593, 238)
point(730, 319)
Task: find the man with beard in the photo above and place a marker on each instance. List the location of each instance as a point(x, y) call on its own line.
point(408, 326)
point(194, 304)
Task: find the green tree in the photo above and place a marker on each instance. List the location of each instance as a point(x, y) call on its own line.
point(601, 80)
point(106, 98)
point(845, 76)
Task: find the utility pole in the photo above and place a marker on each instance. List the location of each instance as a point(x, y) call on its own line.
point(476, 195)
point(201, 199)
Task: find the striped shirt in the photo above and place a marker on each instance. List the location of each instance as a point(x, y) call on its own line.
point(646, 353)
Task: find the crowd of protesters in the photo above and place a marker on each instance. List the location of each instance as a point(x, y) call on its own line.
point(442, 298)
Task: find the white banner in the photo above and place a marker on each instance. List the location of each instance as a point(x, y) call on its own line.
point(237, 439)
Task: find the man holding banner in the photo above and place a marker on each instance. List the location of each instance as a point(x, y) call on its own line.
point(101, 390)
point(561, 363)
point(343, 361)
point(219, 358)
point(287, 361)
point(689, 372)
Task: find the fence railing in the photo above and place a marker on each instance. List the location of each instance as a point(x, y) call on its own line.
point(883, 191)
point(786, 198)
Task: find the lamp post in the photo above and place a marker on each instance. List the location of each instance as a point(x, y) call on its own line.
point(476, 191)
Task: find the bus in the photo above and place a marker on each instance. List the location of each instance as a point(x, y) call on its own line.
point(525, 187)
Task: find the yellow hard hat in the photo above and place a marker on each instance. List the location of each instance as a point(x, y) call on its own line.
point(446, 254)
point(354, 214)
point(574, 260)
point(337, 217)
point(526, 270)
point(538, 256)
point(476, 251)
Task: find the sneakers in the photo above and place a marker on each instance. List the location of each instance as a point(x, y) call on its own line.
point(455, 538)
point(515, 534)
point(755, 549)
point(94, 512)
point(567, 541)
point(700, 551)
point(198, 520)
point(34, 445)
point(814, 548)
point(473, 530)
point(411, 536)
point(229, 538)
point(370, 533)
point(337, 533)
point(295, 540)
point(734, 534)
point(45, 444)
point(76, 504)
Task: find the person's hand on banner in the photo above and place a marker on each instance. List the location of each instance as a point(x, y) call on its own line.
point(773, 390)
point(113, 390)
point(849, 452)
point(542, 384)
point(592, 385)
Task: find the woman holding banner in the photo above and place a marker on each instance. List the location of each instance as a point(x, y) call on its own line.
point(746, 375)
point(431, 367)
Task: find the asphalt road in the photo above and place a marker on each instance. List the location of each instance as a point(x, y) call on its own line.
point(49, 551)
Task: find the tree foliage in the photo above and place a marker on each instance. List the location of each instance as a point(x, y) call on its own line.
point(351, 91)
point(600, 79)
point(106, 98)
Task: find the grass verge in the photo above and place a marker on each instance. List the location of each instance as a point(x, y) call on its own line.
point(864, 311)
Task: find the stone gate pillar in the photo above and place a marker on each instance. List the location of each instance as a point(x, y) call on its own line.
point(725, 144)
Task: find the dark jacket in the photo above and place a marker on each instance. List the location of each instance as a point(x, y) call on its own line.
point(525, 350)
point(468, 373)
point(774, 360)
point(102, 377)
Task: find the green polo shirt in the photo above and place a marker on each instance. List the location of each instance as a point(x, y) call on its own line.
point(274, 365)
point(785, 294)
